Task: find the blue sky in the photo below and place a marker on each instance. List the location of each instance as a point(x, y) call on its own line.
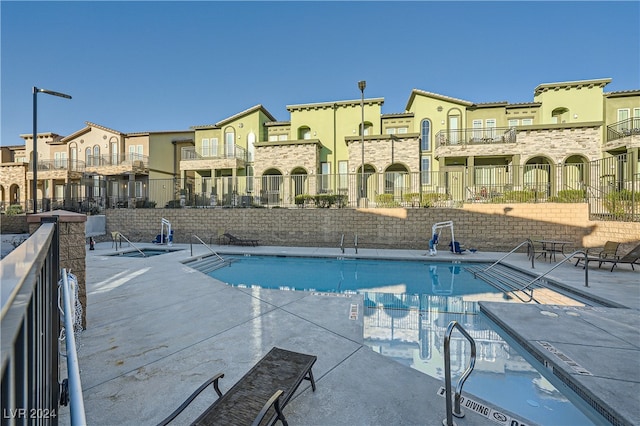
point(151, 66)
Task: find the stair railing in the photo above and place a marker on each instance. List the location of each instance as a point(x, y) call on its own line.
point(130, 243)
point(455, 410)
point(568, 258)
point(530, 251)
point(204, 244)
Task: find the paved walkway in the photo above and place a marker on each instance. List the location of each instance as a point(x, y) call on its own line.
point(158, 329)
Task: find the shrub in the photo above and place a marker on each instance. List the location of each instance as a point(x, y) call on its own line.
point(570, 196)
point(622, 203)
point(386, 200)
point(14, 209)
point(434, 199)
point(412, 197)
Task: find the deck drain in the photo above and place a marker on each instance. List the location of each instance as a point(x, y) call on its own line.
point(353, 312)
point(571, 363)
point(549, 314)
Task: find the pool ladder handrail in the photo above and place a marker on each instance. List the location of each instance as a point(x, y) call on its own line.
point(568, 258)
point(342, 243)
point(204, 244)
point(455, 410)
point(355, 243)
point(120, 235)
point(530, 251)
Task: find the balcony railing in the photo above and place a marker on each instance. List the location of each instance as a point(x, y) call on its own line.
point(222, 152)
point(624, 128)
point(59, 164)
point(129, 159)
point(479, 136)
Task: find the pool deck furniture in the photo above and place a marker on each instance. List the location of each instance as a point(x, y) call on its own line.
point(260, 395)
point(631, 258)
point(240, 241)
point(609, 251)
point(551, 247)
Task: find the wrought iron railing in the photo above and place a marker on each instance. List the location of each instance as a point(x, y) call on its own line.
point(624, 128)
point(30, 324)
point(221, 151)
point(477, 136)
point(125, 159)
point(59, 164)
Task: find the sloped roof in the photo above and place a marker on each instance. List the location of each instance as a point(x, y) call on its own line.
point(253, 109)
point(418, 92)
point(320, 105)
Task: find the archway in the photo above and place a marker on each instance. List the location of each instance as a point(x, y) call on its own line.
point(575, 173)
point(271, 190)
point(366, 187)
point(396, 181)
point(537, 176)
point(14, 194)
point(299, 182)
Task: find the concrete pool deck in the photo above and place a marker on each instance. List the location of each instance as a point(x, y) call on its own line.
point(158, 329)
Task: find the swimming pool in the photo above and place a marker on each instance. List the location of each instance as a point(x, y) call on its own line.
point(407, 308)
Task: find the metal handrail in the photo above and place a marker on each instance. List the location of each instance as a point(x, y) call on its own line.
point(130, 243)
point(73, 369)
point(570, 257)
point(342, 243)
point(455, 411)
point(355, 243)
point(204, 244)
point(529, 247)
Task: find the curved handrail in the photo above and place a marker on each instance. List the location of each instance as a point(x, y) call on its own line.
point(342, 243)
point(355, 243)
point(447, 373)
point(586, 269)
point(529, 244)
point(130, 243)
point(204, 244)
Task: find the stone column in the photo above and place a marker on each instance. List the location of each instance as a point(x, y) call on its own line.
point(72, 248)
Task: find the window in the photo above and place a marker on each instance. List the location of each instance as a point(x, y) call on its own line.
point(87, 157)
point(527, 121)
point(74, 157)
point(343, 172)
point(304, 133)
point(477, 129)
point(60, 160)
point(391, 130)
point(425, 170)
point(636, 118)
point(325, 170)
point(229, 143)
point(213, 147)
point(251, 139)
point(138, 190)
point(206, 152)
point(58, 192)
point(425, 135)
point(623, 114)
point(490, 131)
point(283, 137)
point(513, 122)
point(368, 128)
point(249, 179)
point(96, 155)
point(394, 130)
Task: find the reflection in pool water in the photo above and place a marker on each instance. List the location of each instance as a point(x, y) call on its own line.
point(408, 306)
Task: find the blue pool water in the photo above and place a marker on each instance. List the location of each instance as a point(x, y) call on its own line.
point(408, 306)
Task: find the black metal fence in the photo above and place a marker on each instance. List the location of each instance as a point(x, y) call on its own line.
point(611, 186)
point(30, 323)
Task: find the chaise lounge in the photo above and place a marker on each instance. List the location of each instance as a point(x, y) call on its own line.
point(631, 258)
point(259, 397)
point(609, 251)
point(240, 241)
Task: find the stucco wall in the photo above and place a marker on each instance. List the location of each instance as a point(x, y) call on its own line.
point(494, 227)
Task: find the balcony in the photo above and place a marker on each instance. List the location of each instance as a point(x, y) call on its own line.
point(224, 157)
point(478, 136)
point(58, 169)
point(116, 164)
point(623, 129)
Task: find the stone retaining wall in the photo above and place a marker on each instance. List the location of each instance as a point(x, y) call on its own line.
point(487, 227)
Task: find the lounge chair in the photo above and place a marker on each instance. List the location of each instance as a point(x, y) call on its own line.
point(240, 241)
point(609, 251)
point(633, 257)
point(260, 395)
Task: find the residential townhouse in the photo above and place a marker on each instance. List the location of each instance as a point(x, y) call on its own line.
point(441, 145)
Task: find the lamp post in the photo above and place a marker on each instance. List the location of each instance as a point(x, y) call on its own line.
point(34, 188)
point(361, 85)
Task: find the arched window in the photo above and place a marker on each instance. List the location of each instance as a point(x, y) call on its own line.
point(96, 155)
point(87, 156)
point(229, 142)
point(560, 115)
point(304, 132)
point(425, 135)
